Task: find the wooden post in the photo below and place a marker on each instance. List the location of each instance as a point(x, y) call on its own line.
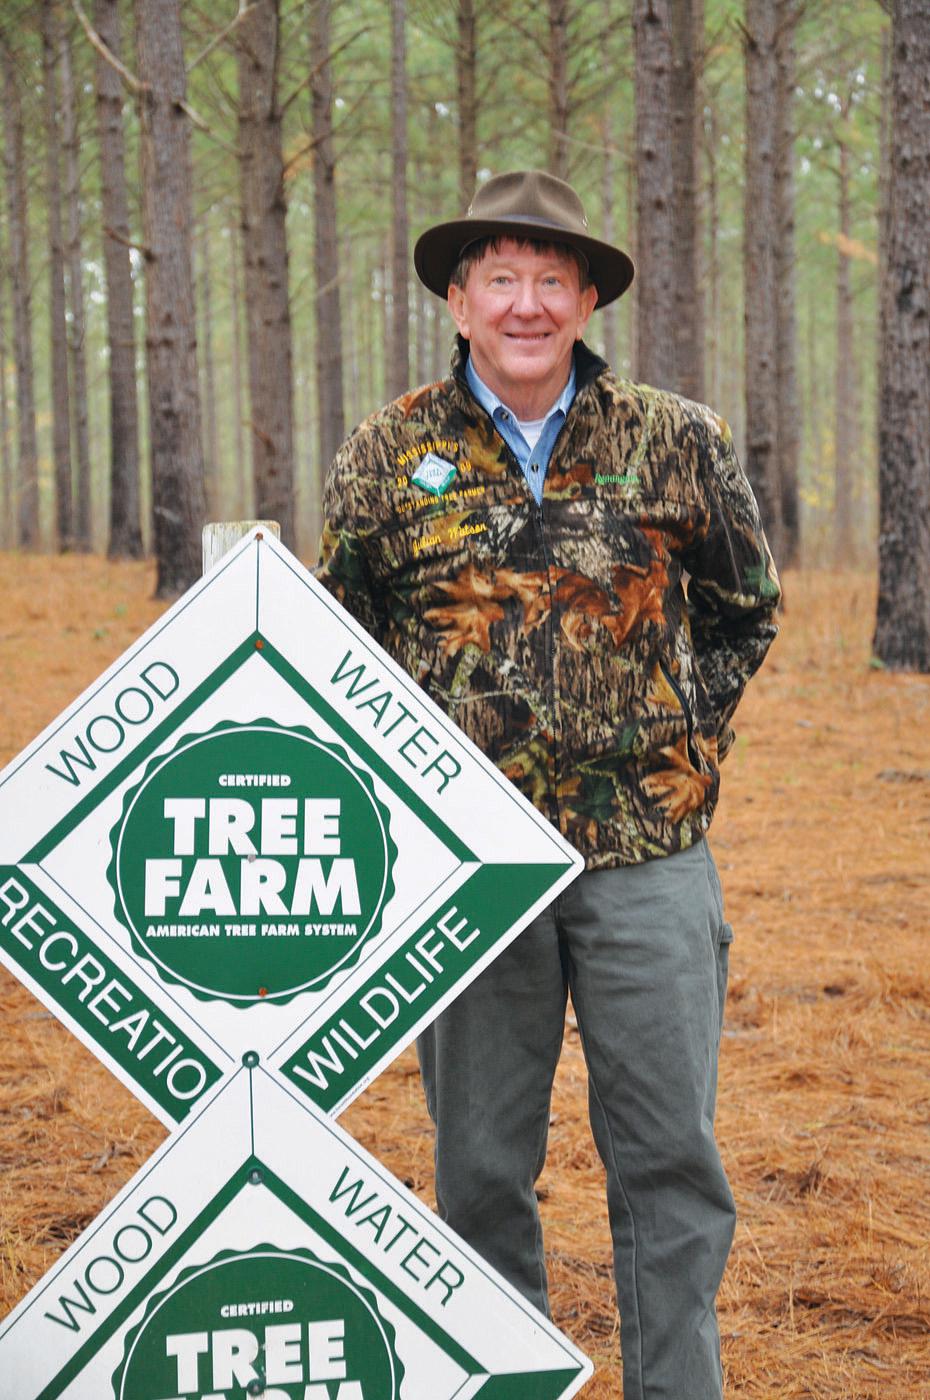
point(220, 536)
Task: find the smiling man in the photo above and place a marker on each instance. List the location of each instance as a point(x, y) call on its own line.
point(573, 567)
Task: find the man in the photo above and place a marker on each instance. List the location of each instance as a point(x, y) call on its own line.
point(573, 568)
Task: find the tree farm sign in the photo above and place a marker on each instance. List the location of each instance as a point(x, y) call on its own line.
point(246, 867)
point(261, 1252)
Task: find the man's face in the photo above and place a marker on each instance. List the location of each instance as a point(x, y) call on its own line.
point(521, 312)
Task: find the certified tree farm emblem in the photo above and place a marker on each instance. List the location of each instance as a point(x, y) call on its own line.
point(252, 862)
point(434, 474)
point(280, 1324)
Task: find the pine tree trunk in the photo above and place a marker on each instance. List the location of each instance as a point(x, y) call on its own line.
point(687, 18)
point(58, 321)
point(213, 486)
point(27, 463)
point(6, 456)
point(329, 388)
point(266, 268)
point(387, 320)
point(814, 421)
point(424, 310)
point(846, 401)
point(83, 521)
point(559, 162)
point(171, 338)
point(759, 268)
point(439, 359)
point(883, 300)
point(631, 196)
point(789, 415)
point(359, 311)
point(434, 313)
point(125, 511)
point(243, 493)
point(397, 367)
point(902, 629)
point(309, 523)
point(655, 213)
point(713, 261)
point(466, 69)
point(608, 222)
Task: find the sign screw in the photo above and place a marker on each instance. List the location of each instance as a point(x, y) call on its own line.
point(250, 1059)
point(259, 643)
point(256, 1387)
point(256, 1176)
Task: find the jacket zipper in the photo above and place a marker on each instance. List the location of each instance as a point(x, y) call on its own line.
point(539, 514)
point(550, 623)
point(686, 711)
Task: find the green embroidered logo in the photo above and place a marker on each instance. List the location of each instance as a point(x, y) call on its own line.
point(613, 479)
point(434, 474)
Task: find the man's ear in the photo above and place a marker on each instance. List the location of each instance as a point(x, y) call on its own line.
point(456, 299)
point(587, 303)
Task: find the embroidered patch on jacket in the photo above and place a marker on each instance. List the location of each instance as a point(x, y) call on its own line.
point(434, 474)
point(616, 479)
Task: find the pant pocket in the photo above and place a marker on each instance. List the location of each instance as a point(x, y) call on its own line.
point(724, 940)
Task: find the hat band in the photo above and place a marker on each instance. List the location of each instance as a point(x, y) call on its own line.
point(520, 219)
point(542, 223)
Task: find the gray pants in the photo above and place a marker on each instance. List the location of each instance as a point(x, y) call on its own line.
point(644, 951)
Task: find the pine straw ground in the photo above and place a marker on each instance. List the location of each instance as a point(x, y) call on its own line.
point(822, 839)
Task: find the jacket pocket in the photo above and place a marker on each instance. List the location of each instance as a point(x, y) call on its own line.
point(675, 685)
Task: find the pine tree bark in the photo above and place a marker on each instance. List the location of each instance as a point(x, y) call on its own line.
point(846, 400)
point(902, 629)
point(398, 363)
point(608, 221)
point(83, 523)
point(466, 70)
point(433, 313)
point(788, 411)
point(212, 484)
point(631, 195)
point(387, 320)
point(883, 306)
point(687, 19)
point(359, 311)
point(655, 214)
point(171, 337)
point(559, 162)
point(243, 484)
point(27, 455)
point(329, 389)
point(6, 456)
point(264, 241)
point(713, 336)
point(125, 513)
point(58, 321)
point(761, 376)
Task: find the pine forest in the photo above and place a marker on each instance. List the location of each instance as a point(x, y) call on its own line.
point(208, 215)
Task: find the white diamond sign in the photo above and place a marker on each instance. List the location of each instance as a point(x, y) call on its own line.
point(246, 867)
point(262, 1252)
point(255, 832)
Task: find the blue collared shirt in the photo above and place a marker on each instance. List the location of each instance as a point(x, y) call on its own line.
point(533, 461)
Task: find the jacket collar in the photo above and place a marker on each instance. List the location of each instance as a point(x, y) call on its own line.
point(587, 365)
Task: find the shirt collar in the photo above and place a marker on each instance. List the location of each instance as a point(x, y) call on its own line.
point(490, 402)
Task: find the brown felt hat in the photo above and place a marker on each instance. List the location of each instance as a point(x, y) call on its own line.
point(522, 204)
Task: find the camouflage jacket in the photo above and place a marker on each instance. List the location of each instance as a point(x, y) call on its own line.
point(594, 647)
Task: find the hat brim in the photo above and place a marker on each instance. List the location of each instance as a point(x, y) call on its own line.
point(438, 250)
